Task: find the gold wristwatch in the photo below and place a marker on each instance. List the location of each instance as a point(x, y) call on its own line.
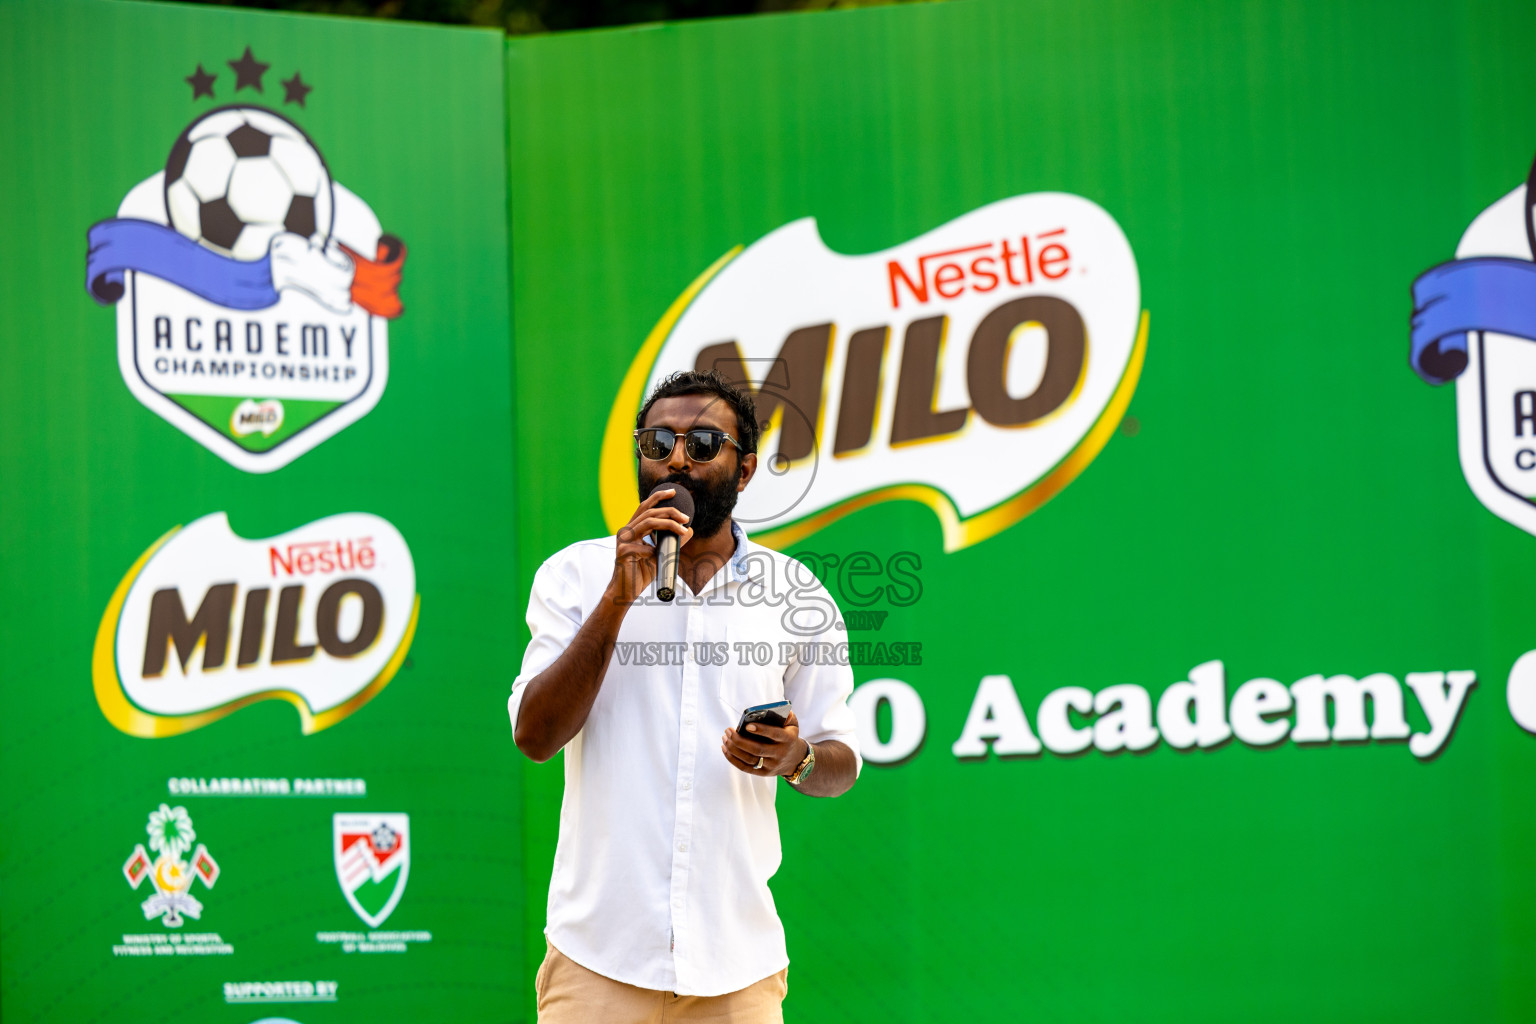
point(805, 768)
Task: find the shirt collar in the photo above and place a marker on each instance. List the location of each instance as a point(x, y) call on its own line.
point(738, 566)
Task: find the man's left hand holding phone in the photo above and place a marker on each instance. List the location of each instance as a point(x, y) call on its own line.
point(758, 747)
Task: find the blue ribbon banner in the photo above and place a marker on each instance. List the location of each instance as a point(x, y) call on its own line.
point(1484, 293)
point(117, 246)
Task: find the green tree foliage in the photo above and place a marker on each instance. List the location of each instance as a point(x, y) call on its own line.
point(521, 17)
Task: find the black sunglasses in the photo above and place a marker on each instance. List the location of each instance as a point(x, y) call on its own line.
point(701, 445)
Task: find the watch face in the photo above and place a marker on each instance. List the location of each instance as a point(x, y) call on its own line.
point(805, 766)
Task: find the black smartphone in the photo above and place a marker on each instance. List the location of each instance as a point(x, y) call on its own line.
point(776, 714)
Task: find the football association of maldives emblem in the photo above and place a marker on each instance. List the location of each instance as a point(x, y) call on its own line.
point(1474, 322)
point(253, 290)
point(373, 862)
point(169, 872)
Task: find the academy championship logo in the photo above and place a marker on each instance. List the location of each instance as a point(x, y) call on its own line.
point(253, 290)
point(1474, 321)
point(167, 869)
point(977, 369)
point(373, 862)
point(206, 623)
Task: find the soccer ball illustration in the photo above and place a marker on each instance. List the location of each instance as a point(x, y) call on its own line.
point(239, 176)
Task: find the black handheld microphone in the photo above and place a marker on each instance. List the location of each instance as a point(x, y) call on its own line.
point(667, 541)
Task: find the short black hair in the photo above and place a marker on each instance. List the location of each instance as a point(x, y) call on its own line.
point(709, 382)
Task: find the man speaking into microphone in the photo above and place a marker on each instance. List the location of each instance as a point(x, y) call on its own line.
point(659, 907)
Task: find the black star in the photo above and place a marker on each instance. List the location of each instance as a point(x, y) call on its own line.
point(295, 90)
point(201, 83)
point(248, 71)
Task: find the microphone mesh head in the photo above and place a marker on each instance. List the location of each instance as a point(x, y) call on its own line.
point(682, 500)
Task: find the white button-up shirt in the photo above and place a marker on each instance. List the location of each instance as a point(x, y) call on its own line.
point(665, 851)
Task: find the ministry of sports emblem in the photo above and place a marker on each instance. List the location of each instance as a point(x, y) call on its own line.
point(373, 862)
point(168, 871)
point(253, 290)
point(1474, 322)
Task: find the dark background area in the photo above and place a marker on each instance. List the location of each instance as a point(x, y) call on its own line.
point(524, 17)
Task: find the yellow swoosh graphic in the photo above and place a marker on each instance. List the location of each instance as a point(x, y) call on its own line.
point(616, 461)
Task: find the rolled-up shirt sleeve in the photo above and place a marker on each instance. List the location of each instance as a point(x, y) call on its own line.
point(554, 617)
point(820, 695)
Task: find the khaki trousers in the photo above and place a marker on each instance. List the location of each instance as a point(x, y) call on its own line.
point(570, 994)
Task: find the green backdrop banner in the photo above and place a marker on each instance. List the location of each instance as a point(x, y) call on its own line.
point(257, 498)
point(1184, 638)
point(1097, 346)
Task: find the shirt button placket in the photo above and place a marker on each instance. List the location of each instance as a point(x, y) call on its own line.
point(687, 759)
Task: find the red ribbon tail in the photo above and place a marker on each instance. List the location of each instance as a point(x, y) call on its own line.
point(376, 282)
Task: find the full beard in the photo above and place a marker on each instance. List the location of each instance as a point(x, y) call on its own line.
point(714, 497)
